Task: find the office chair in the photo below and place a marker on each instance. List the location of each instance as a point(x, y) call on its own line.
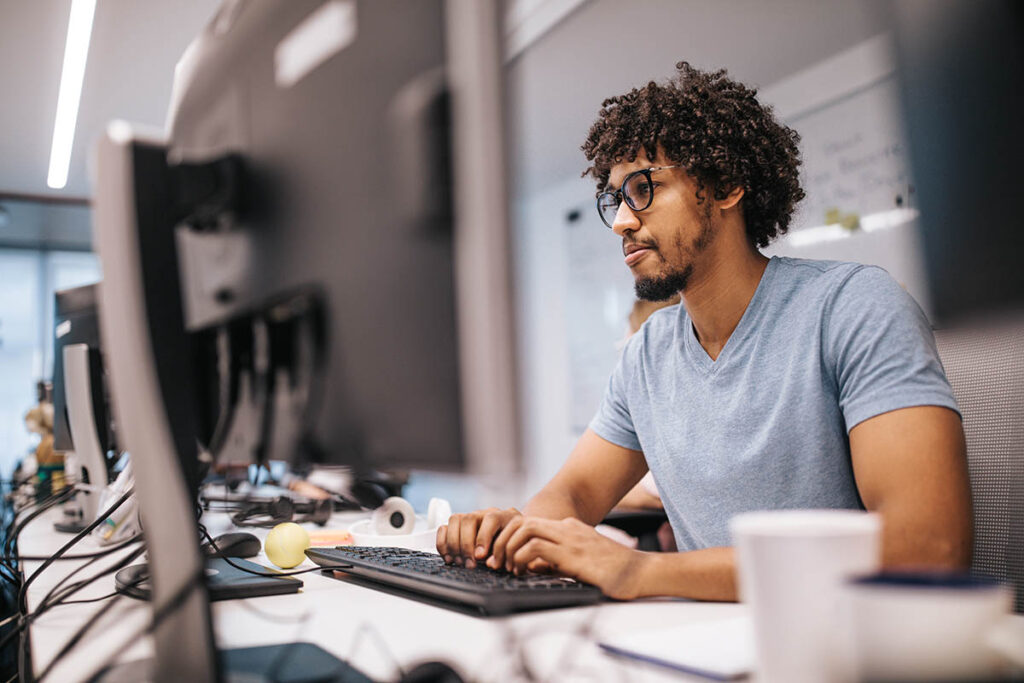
point(986, 368)
point(641, 524)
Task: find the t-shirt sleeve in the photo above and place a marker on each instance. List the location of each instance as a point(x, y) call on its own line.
point(882, 349)
point(613, 421)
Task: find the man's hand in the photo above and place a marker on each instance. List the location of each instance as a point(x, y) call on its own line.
point(568, 547)
point(468, 538)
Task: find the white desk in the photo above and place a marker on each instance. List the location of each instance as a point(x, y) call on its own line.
point(333, 614)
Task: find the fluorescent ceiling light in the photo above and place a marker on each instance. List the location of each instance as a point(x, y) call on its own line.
point(75, 53)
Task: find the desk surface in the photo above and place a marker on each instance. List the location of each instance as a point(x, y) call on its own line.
point(375, 631)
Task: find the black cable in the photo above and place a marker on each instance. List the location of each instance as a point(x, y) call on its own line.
point(120, 546)
point(55, 592)
point(11, 542)
point(53, 599)
point(272, 574)
point(15, 528)
point(100, 519)
point(83, 602)
point(42, 507)
point(173, 604)
point(76, 638)
point(70, 485)
point(158, 616)
point(86, 556)
point(68, 646)
point(19, 626)
point(44, 606)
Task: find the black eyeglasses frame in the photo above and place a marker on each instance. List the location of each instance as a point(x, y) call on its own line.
point(618, 196)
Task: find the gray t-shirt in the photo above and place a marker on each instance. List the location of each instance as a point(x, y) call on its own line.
point(821, 347)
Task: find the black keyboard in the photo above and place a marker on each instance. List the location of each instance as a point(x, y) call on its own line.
point(483, 589)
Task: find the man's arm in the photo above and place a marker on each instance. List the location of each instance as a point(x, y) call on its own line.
point(596, 475)
point(911, 468)
point(556, 533)
point(573, 548)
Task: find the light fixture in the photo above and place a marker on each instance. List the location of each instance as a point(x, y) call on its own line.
point(76, 50)
point(872, 222)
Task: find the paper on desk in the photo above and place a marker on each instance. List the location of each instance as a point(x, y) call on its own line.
point(722, 650)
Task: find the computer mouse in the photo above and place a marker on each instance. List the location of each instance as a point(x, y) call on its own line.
point(235, 544)
point(431, 672)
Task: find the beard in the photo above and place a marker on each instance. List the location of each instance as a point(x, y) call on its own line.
point(665, 285)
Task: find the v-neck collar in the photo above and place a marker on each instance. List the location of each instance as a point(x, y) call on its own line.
point(748, 321)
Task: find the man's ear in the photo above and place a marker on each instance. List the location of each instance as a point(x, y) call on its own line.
point(731, 199)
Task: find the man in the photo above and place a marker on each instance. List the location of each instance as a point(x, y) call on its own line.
point(781, 383)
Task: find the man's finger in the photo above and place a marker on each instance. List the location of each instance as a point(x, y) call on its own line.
point(467, 538)
point(440, 541)
point(497, 559)
point(546, 529)
point(539, 566)
point(451, 549)
point(537, 549)
point(492, 522)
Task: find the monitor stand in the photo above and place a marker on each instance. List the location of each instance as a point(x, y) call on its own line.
point(72, 521)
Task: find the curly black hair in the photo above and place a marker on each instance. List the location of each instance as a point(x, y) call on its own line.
point(716, 129)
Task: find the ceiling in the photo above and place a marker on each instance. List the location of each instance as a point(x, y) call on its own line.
point(599, 48)
point(128, 75)
point(609, 46)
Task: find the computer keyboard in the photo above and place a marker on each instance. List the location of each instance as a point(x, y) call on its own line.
point(481, 588)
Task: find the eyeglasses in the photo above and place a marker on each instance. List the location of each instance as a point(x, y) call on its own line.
point(637, 189)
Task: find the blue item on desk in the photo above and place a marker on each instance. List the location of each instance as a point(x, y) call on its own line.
point(234, 544)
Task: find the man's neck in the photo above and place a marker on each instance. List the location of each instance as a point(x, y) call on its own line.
point(717, 299)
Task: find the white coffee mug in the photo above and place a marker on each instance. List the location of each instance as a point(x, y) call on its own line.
point(930, 626)
point(792, 567)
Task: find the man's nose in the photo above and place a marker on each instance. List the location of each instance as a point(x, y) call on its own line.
point(626, 220)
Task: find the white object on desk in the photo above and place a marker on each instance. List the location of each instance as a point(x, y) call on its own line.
point(438, 512)
point(722, 650)
point(394, 517)
point(422, 536)
point(931, 627)
point(792, 566)
point(125, 522)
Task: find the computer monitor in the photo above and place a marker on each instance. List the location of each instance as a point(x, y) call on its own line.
point(76, 321)
point(961, 67)
point(82, 428)
point(315, 264)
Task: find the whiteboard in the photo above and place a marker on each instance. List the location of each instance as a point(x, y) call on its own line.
point(855, 156)
point(856, 165)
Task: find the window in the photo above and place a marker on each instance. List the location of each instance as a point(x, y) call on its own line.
point(28, 280)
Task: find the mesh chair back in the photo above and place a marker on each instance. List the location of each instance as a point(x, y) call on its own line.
point(986, 369)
